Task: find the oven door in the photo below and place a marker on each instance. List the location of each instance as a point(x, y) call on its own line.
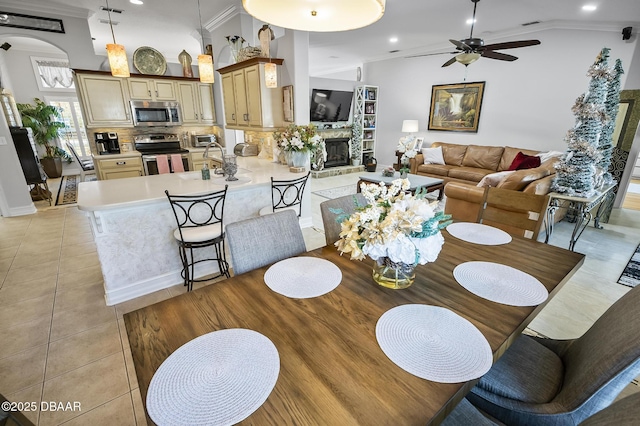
point(150, 163)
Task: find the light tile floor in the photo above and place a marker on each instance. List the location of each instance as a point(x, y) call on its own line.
point(60, 343)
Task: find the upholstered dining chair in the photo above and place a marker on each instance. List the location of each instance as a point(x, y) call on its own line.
point(518, 213)
point(256, 242)
point(346, 205)
point(286, 194)
point(199, 219)
point(553, 382)
point(86, 166)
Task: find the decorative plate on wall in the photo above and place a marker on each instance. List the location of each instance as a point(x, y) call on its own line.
point(148, 60)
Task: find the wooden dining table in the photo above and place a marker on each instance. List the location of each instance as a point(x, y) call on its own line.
point(332, 370)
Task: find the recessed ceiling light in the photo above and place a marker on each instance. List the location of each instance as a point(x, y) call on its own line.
point(471, 21)
point(136, 2)
point(589, 7)
point(393, 40)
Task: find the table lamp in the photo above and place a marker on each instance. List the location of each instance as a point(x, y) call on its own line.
point(408, 126)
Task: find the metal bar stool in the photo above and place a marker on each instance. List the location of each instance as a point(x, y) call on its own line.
point(199, 219)
point(286, 194)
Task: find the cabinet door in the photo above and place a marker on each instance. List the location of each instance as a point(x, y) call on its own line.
point(240, 97)
point(188, 102)
point(207, 109)
point(228, 96)
point(254, 101)
point(120, 174)
point(165, 90)
point(140, 88)
point(105, 101)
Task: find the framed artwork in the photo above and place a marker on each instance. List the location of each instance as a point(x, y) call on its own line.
point(456, 107)
point(287, 103)
point(418, 144)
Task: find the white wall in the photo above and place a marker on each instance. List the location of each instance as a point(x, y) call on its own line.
point(23, 78)
point(527, 103)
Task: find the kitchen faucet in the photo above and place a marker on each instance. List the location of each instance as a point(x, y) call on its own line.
point(217, 170)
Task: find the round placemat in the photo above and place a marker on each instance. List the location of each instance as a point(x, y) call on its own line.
point(500, 283)
point(433, 343)
point(218, 378)
point(303, 277)
point(478, 233)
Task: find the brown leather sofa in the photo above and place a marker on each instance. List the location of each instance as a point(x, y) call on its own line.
point(470, 163)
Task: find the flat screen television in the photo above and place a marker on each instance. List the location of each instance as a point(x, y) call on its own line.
point(330, 105)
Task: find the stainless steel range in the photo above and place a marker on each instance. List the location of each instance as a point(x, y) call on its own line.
point(151, 146)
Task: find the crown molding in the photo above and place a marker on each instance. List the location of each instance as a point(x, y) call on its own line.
point(221, 18)
point(48, 8)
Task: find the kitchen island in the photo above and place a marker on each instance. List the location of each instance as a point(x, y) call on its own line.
point(132, 222)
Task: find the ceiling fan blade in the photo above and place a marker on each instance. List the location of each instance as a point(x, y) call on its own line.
point(511, 44)
point(460, 45)
point(430, 54)
point(497, 55)
point(449, 62)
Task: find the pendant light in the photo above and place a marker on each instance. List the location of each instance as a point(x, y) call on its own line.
point(205, 62)
point(116, 53)
point(270, 75)
point(321, 16)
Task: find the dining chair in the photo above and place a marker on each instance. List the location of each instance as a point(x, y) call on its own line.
point(86, 166)
point(286, 194)
point(199, 219)
point(331, 211)
point(517, 213)
point(257, 242)
point(551, 382)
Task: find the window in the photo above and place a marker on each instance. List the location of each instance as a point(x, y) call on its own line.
point(74, 133)
point(53, 74)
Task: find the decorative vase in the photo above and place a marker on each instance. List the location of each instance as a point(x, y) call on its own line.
point(230, 167)
point(393, 275)
point(289, 158)
point(299, 158)
point(403, 174)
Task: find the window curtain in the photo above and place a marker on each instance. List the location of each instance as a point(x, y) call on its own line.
point(55, 71)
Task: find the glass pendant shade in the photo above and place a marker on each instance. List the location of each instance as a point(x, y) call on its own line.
point(205, 68)
point(467, 58)
point(118, 60)
point(271, 75)
point(313, 15)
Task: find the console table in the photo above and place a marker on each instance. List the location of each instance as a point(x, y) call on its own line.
point(581, 207)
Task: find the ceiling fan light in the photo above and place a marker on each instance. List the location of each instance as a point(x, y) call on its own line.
point(325, 16)
point(467, 58)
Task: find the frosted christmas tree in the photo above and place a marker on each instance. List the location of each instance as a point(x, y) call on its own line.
point(611, 109)
point(576, 171)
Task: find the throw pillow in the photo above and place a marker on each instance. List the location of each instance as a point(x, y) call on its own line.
point(433, 155)
point(524, 161)
point(544, 156)
point(494, 179)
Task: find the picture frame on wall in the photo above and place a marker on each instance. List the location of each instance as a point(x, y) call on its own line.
point(287, 103)
point(456, 107)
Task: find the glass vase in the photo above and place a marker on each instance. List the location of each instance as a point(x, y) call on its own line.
point(393, 275)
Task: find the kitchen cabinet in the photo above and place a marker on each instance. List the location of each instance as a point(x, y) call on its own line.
point(120, 167)
point(248, 103)
point(104, 100)
point(196, 161)
point(149, 89)
point(196, 101)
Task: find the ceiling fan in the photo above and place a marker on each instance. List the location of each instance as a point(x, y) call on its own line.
point(471, 49)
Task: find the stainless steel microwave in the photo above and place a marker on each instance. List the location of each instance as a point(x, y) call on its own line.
point(149, 114)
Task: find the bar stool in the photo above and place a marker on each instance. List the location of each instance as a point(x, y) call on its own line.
point(199, 219)
point(286, 194)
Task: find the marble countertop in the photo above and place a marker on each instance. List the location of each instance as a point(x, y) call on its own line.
point(144, 190)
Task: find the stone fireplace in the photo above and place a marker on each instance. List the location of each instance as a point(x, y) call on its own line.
point(338, 149)
point(337, 152)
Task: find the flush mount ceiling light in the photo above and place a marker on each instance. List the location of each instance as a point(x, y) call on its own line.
point(467, 58)
point(313, 15)
point(116, 53)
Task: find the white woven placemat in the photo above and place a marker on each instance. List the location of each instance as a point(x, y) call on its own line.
point(478, 233)
point(303, 277)
point(433, 343)
point(218, 378)
point(500, 283)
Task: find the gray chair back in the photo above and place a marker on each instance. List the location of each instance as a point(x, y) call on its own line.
point(346, 204)
point(260, 241)
point(624, 412)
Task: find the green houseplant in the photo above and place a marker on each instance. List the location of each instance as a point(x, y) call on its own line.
point(46, 121)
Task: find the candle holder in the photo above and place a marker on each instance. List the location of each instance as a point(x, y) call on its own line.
point(230, 167)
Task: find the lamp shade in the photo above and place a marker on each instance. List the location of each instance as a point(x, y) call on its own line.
point(118, 60)
point(467, 58)
point(410, 126)
point(314, 15)
point(205, 68)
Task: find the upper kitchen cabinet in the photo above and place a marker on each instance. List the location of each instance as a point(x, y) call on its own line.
point(248, 103)
point(105, 100)
point(152, 89)
point(196, 101)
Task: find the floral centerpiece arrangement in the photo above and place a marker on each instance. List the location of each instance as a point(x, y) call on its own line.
point(297, 141)
point(396, 229)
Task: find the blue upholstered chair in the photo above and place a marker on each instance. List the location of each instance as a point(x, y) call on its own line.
point(257, 242)
point(347, 205)
point(563, 382)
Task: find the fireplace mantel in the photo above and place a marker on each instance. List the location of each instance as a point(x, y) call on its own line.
point(344, 132)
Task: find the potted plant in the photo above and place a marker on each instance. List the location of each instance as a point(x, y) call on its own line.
point(46, 121)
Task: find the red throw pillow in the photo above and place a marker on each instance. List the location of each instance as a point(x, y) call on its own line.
point(524, 161)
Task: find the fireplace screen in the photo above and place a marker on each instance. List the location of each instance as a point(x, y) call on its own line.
point(337, 152)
